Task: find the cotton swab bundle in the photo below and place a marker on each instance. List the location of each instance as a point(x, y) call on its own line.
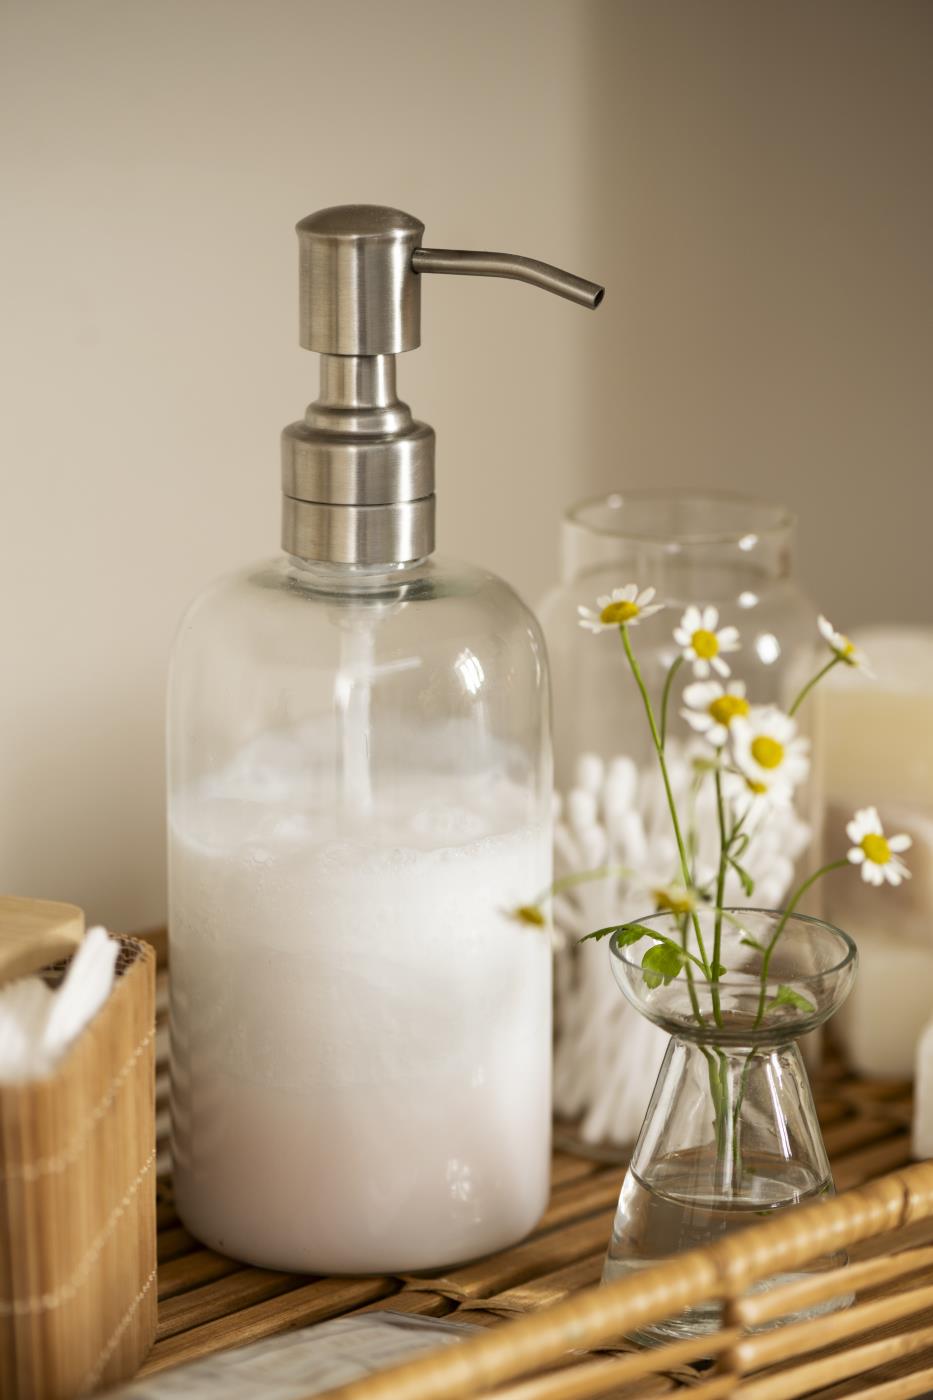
point(616, 818)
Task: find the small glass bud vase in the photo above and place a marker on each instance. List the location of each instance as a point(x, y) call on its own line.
point(731, 1133)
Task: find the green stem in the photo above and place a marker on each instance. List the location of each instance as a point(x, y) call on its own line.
point(736, 1115)
point(665, 698)
point(782, 924)
point(811, 683)
point(659, 750)
point(688, 972)
point(724, 844)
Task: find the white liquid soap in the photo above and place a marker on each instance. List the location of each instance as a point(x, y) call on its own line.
point(361, 1035)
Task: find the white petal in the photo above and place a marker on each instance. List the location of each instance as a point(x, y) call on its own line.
point(654, 608)
point(605, 599)
point(681, 637)
point(900, 843)
point(645, 596)
point(710, 619)
point(699, 722)
point(827, 630)
point(721, 666)
point(701, 694)
point(691, 620)
point(856, 855)
point(729, 639)
point(700, 668)
point(628, 594)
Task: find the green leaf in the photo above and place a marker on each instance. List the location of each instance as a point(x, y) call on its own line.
point(752, 943)
point(662, 963)
point(598, 934)
point(739, 843)
point(716, 971)
point(633, 933)
point(628, 934)
point(748, 884)
point(786, 996)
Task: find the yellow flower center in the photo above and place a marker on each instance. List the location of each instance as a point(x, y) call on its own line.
point(876, 848)
point(759, 789)
point(530, 914)
point(619, 612)
point(672, 902)
point(767, 752)
point(725, 708)
point(705, 644)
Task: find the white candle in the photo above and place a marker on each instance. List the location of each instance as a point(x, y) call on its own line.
point(877, 744)
point(923, 1095)
point(877, 737)
point(889, 1005)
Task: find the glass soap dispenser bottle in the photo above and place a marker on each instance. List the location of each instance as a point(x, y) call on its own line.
point(359, 793)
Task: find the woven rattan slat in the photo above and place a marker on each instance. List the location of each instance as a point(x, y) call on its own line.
point(209, 1303)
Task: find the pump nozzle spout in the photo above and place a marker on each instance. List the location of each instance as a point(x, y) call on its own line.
point(538, 274)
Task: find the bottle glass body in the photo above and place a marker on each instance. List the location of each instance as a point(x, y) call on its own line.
point(359, 793)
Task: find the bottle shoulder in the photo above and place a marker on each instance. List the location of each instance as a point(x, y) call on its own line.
point(439, 597)
point(436, 578)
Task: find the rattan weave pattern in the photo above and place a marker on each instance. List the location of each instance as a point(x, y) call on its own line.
point(208, 1303)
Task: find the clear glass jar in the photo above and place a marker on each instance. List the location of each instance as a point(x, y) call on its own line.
point(723, 551)
point(731, 1135)
point(359, 793)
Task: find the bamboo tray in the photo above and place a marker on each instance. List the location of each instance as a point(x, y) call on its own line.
point(208, 1303)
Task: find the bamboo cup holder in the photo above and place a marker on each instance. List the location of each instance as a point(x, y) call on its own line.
point(77, 1202)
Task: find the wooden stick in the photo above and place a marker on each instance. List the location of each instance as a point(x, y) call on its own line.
point(596, 1377)
point(787, 1385)
point(834, 1283)
point(903, 1388)
point(754, 1353)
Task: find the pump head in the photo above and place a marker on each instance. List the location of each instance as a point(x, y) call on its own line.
point(358, 471)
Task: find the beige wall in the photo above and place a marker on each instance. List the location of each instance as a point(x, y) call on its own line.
point(751, 180)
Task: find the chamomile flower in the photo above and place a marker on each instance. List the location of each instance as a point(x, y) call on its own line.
point(623, 606)
point(877, 854)
point(745, 795)
point(711, 708)
point(769, 753)
point(529, 914)
point(674, 899)
point(846, 651)
point(703, 642)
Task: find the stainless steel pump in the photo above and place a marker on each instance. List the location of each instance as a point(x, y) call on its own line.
point(358, 471)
